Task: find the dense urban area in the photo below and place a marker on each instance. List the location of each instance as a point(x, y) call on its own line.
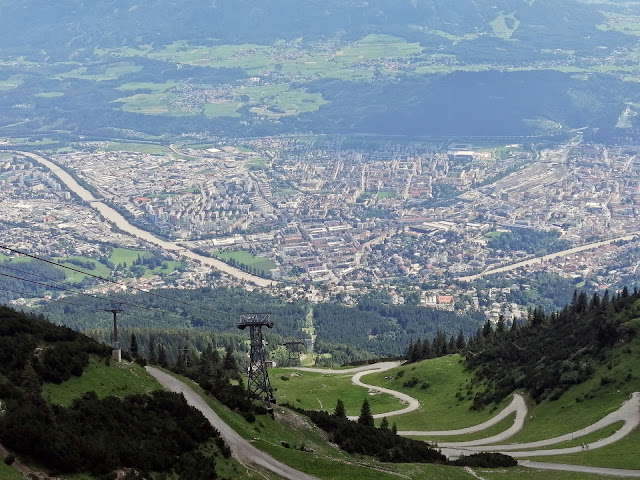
point(330, 218)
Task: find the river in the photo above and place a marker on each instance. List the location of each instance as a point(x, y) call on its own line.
point(123, 224)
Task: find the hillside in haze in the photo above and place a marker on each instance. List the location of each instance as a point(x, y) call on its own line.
point(239, 68)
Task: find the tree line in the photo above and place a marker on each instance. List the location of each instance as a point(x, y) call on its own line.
point(550, 352)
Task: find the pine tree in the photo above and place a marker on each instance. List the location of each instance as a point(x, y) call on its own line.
point(461, 344)
point(229, 362)
point(394, 428)
point(162, 357)
point(133, 348)
point(416, 351)
point(153, 355)
point(366, 418)
point(384, 424)
point(31, 384)
point(427, 349)
point(486, 329)
point(340, 410)
point(501, 325)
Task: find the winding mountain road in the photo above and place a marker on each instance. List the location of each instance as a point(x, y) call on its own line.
point(628, 413)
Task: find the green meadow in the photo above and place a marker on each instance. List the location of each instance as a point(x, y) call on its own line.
point(116, 379)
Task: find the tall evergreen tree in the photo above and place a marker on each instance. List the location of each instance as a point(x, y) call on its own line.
point(486, 329)
point(133, 347)
point(229, 362)
point(340, 410)
point(384, 424)
point(162, 357)
point(366, 418)
point(153, 355)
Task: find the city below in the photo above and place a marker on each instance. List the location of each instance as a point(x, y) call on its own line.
point(328, 218)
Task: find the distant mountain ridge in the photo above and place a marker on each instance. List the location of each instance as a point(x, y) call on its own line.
point(71, 26)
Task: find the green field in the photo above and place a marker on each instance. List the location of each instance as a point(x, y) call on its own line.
point(149, 148)
point(225, 108)
point(319, 458)
point(76, 277)
point(101, 73)
point(127, 256)
point(118, 379)
point(247, 258)
point(318, 391)
point(617, 22)
point(504, 25)
point(387, 194)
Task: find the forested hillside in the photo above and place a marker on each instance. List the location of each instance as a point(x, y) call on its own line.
point(93, 435)
point(373, 328)
point(552, 352)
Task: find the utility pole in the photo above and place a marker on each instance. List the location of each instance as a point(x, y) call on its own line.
point(258, 385)
point(294, 352)
point(117, 352)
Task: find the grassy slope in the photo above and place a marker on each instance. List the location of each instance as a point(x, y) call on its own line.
point(9, 473)
point(324, 461)
point(588, 402)
point(579, 407)
point(118, 379)
point(440, 408)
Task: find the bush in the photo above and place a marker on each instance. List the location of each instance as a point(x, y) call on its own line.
point(411, 383)
point(9, 459)
point(486, 460)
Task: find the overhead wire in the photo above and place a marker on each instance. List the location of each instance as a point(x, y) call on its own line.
point(94, 296)
point(104, 279)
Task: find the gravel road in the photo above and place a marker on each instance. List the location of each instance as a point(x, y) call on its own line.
point(241, 449)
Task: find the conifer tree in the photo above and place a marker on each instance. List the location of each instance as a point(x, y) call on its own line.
point(153, 355)
point(229, 362)
point(133, 348)
point(366, 418)
point(384, 424)
point(162, 357)
point(340, 410)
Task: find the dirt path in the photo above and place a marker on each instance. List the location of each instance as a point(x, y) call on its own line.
point(241, 449)
point(629, 413)
point(517, 405)
point(614, 472)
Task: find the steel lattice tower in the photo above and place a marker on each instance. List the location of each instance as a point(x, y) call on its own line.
point(294, 353)
point(258, 385)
